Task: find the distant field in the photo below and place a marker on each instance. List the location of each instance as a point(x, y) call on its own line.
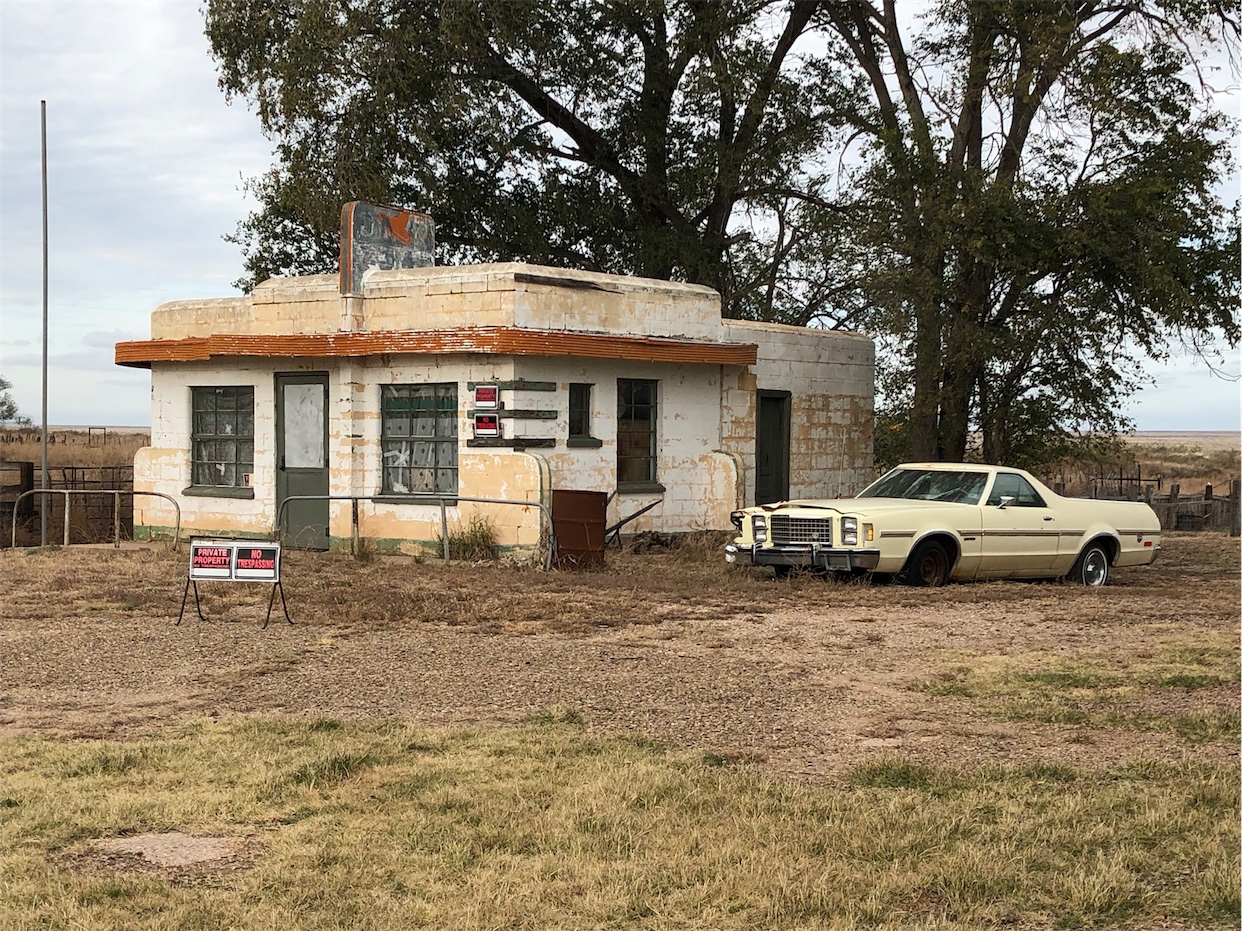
point(85, 447)
point(1191, 458)
point(1209, 441)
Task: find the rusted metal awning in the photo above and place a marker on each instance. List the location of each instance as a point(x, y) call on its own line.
point(507, 341)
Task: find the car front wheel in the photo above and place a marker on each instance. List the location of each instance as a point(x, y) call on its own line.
point(929, 566)
point(1092, 566)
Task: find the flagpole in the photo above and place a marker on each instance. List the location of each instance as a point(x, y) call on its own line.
point(43, 476)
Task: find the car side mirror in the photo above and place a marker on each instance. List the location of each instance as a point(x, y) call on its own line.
point(1006, 500)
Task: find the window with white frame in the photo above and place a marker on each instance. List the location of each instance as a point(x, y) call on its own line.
point(419, 439)
point(580, 416)
point(222, 436)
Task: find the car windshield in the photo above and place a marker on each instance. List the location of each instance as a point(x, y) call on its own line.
point(929, 485)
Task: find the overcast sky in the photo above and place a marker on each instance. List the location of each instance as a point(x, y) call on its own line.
point(145, 169)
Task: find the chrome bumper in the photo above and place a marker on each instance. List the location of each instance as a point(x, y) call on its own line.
point(812, 557)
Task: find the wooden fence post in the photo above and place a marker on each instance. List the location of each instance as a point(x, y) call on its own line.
point(1235, 511)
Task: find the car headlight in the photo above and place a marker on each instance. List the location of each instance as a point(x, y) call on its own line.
point(759, 527)
point(849, 531)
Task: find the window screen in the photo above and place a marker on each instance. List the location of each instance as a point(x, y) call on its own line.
point(636, 430)
point(222, 435)
point(419, 439)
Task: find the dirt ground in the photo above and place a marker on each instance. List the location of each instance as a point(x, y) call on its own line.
point(800, 677)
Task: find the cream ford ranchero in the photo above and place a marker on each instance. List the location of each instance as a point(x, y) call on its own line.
point(931, 522)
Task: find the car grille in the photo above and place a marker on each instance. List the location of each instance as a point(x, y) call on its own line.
point(804, 530)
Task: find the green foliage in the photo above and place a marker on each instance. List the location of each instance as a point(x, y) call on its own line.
point(628, 137)
point(1019, 199)
point(1041, 202)
point(8, 407)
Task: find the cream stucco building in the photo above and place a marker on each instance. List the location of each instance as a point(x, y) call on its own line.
point(505, 381)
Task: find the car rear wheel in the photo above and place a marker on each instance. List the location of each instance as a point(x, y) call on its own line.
point(1091, 568)
point(929, 566)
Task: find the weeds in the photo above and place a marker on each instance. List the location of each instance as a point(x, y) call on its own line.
point(474, 543)
point(365, 551)
point(553, 827)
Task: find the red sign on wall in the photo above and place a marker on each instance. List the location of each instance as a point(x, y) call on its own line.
point(487, 425)
point(487, 397)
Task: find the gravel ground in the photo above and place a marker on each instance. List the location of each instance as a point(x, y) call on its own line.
point(799, 678)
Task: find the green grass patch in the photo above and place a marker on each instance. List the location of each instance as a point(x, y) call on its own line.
point(1117, 692)
point(548, 826)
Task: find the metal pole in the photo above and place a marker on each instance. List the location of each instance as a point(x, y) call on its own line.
point(353, 538)
point(43, 481)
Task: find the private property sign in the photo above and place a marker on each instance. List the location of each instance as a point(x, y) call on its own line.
point(234, 561)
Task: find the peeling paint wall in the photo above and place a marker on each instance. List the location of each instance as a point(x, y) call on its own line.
point(831, 376)
point(698, 479)
point(706, 412)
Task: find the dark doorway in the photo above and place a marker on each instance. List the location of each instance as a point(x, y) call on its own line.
point(302, 456)
point(772, 447)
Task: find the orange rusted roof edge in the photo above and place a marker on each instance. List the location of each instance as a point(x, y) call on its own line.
point(507, 341)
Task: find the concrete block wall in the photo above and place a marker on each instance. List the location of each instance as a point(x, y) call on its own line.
point(705, 433)
point(492, 295)
point(689, 465)
point(281, 306)
point(165, 466)
point(354, 451)
point(831, 376)
point(436, 298)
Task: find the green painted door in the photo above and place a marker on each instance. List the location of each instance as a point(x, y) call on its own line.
point(772, 447)
point(302, 456)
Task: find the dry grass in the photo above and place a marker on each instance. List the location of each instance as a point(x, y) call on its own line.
point(80, 448)
point(663, 742)
point(1183, 684)
point(548, 826)
point(1189, 459)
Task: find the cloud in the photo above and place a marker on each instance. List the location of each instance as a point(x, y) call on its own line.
point(145, 162)
point(101, 339)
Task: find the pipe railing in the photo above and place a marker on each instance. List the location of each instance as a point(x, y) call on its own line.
point(116, 508)
point(278, 532)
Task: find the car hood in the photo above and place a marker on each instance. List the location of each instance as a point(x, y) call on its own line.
point(861, 506)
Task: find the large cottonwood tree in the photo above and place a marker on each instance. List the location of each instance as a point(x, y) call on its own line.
point(1020, 198)
point(1045, 177)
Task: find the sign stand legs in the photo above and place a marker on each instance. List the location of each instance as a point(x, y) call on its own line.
point(271, 601)
point(197, 604)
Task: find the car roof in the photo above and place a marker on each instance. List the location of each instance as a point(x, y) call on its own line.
point(954, 467)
